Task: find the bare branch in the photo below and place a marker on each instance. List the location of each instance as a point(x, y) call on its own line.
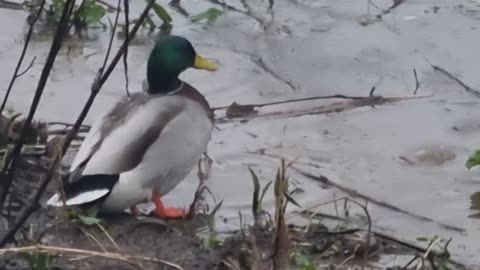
point(28, 68)
point(110, 7)
point(232, 8)
point(22, 55)
point(243, 113)
point(114, 28)
point(125, 55)
point(178, 7)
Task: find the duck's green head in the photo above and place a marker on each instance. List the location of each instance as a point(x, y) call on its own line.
point(170, 57)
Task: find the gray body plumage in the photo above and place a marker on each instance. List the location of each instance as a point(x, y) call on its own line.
point(151, 141)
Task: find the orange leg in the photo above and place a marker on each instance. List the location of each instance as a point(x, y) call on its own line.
point(167, 212)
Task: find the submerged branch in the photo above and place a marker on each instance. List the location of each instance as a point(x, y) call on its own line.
point(178, 7)
point(448, 74)
point(242, 113)
point(417, 83)
point(259, 105)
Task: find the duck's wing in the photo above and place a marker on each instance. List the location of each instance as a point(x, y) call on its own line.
point(107, 122)
point(116, 143)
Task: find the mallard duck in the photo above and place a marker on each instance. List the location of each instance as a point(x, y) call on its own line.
point(148, 142)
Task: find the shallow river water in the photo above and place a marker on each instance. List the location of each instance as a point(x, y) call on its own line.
point(409, 154)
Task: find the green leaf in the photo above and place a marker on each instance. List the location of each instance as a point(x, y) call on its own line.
point(93, 13)
point(473, 160)
point(303, 261)
point(162, 13)
point(89, 220)
point(211, 15)
point(291, 200)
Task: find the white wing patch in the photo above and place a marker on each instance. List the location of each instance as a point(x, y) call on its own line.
point(79, 199)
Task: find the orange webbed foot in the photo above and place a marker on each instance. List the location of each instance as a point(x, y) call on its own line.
point(167, 212)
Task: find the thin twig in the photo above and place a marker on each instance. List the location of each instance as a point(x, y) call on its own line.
point(370, 2)
point(94, 239)
point(108, 255)
point(11, 160)
point(110, 42)
point(232, 8)
point(178, 7)
point(444, 71)
point(28, 68)
point(395, 4)
point(96, 86)
point(417, 83)
point(22, 55)
point(430, 247)
point(64, 131)
point(110, 7)
point(125, 55)
point(110, 238)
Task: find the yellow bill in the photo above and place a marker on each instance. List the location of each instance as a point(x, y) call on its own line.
point(202, 63)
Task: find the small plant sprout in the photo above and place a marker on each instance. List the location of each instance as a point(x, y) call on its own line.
point(303, 261)
point(258, 195)
point(210, 15)
point(208, 235)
